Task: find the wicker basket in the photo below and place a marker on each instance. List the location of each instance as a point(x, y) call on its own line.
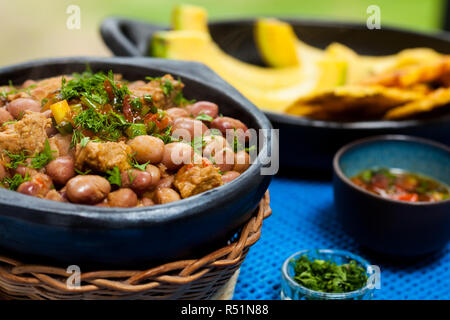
point(210, 277)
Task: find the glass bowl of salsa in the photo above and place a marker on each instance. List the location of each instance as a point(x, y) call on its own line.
point(391, 193)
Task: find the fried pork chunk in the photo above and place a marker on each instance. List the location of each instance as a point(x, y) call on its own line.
point(103, 156)
point(27, 134)
point(163, 91)
point(192, 179)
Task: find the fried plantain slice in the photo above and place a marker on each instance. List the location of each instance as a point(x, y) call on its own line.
point(373, 100)
point(436, 71)
point(436, 99)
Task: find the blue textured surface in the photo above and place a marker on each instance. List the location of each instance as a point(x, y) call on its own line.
point(303, 218)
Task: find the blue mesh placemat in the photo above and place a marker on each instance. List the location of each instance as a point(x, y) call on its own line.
point(304, 218)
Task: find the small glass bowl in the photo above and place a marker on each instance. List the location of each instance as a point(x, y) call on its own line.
point(292, 290)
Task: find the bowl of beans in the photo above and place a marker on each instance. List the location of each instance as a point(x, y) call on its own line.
point(118, 161)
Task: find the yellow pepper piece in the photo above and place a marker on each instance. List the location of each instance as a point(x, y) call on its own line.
point(61, 111)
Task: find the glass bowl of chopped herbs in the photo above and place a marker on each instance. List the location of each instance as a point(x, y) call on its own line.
point(324, 274)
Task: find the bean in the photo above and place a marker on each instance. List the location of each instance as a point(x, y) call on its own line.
point(229, 176)
point(176, 154)
point(39, 185)
point(166, 195)
point(147, 148)
point(155, 173)
point(224, 159)
point(29, 188)
point(214, 144)
point(124, 198)
point(87, 189)
point(5, 116)
point(176, 113)
point(54, 196)
point(61, 169)
point(138, 180)
point(204, 107)
point(28, 83)
point(226, 123)
point(147, 202)
point(17, 107)
point(241, 161)
point(188, 128)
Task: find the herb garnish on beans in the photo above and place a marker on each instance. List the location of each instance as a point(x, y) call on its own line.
point(94, 138)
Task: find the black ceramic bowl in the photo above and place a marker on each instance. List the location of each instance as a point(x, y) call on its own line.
point(396, 228)
point(92, 236)
point(315, 141)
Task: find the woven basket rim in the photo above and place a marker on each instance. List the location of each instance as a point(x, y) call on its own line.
point(26, 279)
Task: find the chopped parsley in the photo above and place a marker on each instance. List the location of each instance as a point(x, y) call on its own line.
point(204, 117)
point(108, 126)
point(81, 172)
point(114, 176)
point(14, 182)
point(16, 159)
point(167, 87)
point(327, 276)
point(43, 158)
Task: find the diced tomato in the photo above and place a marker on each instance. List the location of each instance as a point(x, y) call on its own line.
point(413, 197)
point(109, 89)
point(126, 109)
point(160, 123)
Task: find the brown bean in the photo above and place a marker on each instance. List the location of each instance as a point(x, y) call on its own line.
point(176, 154)
point(29, 188)
point(155, 173)
point(229, 176)
point(51, 131)
point(88, 189)
point(241, 161)
point(24, 170)
point(188, 128)
point(214, 144)
point(166, 195)
point(176, 113)
point(61, 169)
point(204, 107)
point(226, 123)
point(147, 148)
point(124, 198)
point(5, 116)
point(139, 181)
point(147, 202)
point(17, 107)
point(55, 196)
point(224, 159)
point(39, 185)
point(28, 83)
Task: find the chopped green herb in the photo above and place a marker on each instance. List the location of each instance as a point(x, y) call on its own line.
point(8, 122)
point(326, 276)
point(14, 182)
point(197, 144)
point(16, 159)
point(43, 158)
point(81, 172)
point(204, 117)
point(84, 141)
point(114, 176)
point(136, 129)
point(167, 87)
point(166, 135)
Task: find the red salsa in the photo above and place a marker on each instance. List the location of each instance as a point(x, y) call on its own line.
point(398, 184)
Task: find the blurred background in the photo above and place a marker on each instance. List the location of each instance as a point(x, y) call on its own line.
point(37, 29)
